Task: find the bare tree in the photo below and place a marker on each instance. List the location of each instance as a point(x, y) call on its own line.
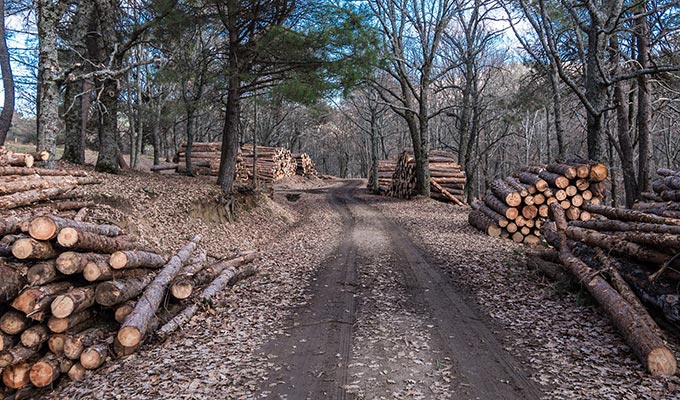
point(7, 80)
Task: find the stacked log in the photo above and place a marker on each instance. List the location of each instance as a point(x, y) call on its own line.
point(10, 158)
point(665, 201)
point(518, 205)
point(386, 170)
point(24, 186)
point(447, 181)
point(304, 165)
point(273, 163)
point(75, 293)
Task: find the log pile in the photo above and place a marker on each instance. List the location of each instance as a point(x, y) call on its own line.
point(665, 201)
point(447, 181)
point(628, 260)
point(74, 294)
point(305, 165)
point(273, 163)
point(517, 206)
point(10, 158)
point(386, 169)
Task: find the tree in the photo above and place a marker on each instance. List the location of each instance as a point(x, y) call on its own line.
point(7, 80)
point(413, 31)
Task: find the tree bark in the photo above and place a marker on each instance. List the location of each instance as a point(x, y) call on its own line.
point(7, 80)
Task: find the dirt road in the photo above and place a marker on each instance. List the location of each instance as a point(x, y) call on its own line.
point(383, 322)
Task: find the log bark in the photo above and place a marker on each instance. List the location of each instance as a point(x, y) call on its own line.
point(7, 341)
point(649, 348)
point(533, 179)
point(75, 239)
point(9, 225)
point(29, 248)
point(500, 220)
point(48, 227)
point(135, 327)
point(110, 293)
point(556, 180)
point(136, 259)
point(568, 171)
point(11, 283)
point(38, 183)
point(228, 275)
point(622, 226)
point(74, 301)
point(71, 262)
point(17, 354)
point(40, 171)
point(617, 244)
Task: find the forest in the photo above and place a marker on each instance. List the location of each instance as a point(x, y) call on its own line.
point(500, 83)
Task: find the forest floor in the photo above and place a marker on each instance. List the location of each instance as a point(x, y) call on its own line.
point(360, 297)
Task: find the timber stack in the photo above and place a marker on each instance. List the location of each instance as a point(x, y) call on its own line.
point(273, 163)
point(517, 206)
point(665, 201)
point(304, 165)
point(74, 294)
point(386, 170)
point(447, 181)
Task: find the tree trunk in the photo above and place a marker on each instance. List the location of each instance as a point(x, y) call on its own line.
point(48, 115)
point(107, 161)
point(137, 323)
point(7, 80)
point(644, 115)
point(73, 124)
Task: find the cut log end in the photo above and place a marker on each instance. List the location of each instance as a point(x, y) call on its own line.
point(183, 290)
point(62, 306)
point(67, 237)
point(16, 376)
point(118, 260)
point(129, 336)
point(43, 373)
point(92, 272)
point(77, 372)
point(662, 362)
point(42, 228)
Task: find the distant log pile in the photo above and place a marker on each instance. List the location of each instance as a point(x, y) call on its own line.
point(386, 170)
point(517, 206)
point(273, 163)
point(304, 165)
point(447, 181)
point(665, 201)
point(75, 293)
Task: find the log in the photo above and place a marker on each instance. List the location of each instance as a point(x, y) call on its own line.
point(500, 220)
point(47, 227)
point(500, 207)
point(16, 376)
point(622, 214)
point(13, 322)
point(29, 248)
point(56, 343)
point(39, 171)
point(17, 354)
point(77, 372)
point(649, 348)
point(598, 172)
point(10, 225)
point(32, 196)
point(36, 299)
point(61, 325)
point(555, 180)
point(75, 344)
point(529, 212)
point(182, 286)
point(163, 167)
point(228, 275)
point(123, 310)
point(24, 185)
point(566, 170)
point(483, 223)
point(110, 293)
point(94, 356)
point(11, 283)
point(505, 193)
point(70, 262)
point(7, 341)
point(45, 371)
point(616, 244)
point(75, 239)
point(35, 336)
point(534, 180)
point(136, 259)
point(17, 159)
point(622, 226)
point(74, 301)
point(43, 272)
point(135, 327)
